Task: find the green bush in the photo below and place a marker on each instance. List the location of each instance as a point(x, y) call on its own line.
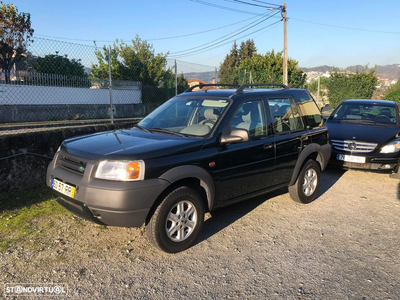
point(359, 85)
point(394, 96)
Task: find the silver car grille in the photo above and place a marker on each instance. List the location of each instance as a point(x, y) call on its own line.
point(354, 146)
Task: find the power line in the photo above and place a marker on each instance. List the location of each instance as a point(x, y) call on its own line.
point(224, 7)
point(347, 28)
point(251, 4)
point(217, 45)
point(224, 38)
point(153, 39)
point(264, 18)
point(200, 32)
point(269, 27)
point(267, 3)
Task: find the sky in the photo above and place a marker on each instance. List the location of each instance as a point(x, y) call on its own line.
point(336, 33)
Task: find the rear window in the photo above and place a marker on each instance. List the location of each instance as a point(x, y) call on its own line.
point(310, 111)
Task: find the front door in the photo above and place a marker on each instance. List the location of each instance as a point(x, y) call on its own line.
point(246, 167)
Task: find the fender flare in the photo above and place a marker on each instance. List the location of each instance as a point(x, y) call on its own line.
point(190, 171)
point(323, 155)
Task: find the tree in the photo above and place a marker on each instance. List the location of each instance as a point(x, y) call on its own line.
point(359, 85)
point(137, 62)
point(15, 36)
point(69, 71)
point(269, 68)
point(247, 50)
point(60, 65)
point(100, 70)
point(169, 82)
point(394, 96)
point(228, 70)
point(393, 88)
point(313, 86)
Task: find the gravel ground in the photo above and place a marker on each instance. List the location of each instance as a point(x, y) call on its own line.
point(344, 245)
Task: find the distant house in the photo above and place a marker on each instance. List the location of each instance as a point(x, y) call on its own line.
point(196, 81)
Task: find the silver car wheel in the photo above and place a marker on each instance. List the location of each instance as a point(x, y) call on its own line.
point(181, 221)
point(310, 182)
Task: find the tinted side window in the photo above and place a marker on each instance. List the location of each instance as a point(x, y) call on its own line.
point(250, 116)
point(285, 115)
point(309, 110)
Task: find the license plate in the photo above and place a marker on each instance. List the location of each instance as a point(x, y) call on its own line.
point(63, 188)
point(350, 158)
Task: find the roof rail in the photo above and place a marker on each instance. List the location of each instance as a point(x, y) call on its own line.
point(241, 88)
point(201, 85)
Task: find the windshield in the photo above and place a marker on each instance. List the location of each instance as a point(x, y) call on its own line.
point(186, 116)
point(374, 113)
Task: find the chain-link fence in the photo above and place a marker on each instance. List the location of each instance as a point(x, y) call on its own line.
point(58, 81)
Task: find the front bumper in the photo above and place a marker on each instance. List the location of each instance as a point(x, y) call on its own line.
point(124, 204)
point(388, 163)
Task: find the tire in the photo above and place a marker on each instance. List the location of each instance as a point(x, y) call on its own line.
point(396, 175)
point(306, 186)
point(177, 221)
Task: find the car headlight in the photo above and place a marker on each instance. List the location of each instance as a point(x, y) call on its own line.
point(391, 147)
point(121, 170)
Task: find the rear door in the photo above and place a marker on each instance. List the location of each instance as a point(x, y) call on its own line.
point(288, 137)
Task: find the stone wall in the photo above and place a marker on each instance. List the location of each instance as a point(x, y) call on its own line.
point(24, 157)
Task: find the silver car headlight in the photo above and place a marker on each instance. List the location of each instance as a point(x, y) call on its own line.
point(121, 170)
point(392, 147)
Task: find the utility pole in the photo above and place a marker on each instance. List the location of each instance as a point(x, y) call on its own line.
point(319, 83)
point(285, 55)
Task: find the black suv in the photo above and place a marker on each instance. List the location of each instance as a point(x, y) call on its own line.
point(199, 151)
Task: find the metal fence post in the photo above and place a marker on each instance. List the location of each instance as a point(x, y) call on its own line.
point(176, 79)
point(110, 85)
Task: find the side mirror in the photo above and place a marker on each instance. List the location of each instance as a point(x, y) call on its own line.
point(235, 136)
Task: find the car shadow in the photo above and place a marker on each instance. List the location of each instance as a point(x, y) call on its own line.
point(223, 217)
point(398, 192)
point(328, 179)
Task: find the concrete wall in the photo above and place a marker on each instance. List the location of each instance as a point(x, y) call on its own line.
point(45, 95)
point(36, 113)
point(28, 103)
point(24, 157)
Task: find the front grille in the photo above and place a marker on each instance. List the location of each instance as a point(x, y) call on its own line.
point(354, 146)
point(72, 164)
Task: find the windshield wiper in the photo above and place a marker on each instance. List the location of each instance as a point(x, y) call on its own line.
point(367, 121)
point(141, 128)
point(357, 121)
point(163, 130)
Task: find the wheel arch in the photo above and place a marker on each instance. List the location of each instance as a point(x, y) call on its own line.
point(188, 175)
point(311, 151)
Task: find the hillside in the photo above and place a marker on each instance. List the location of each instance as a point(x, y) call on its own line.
point(391, 72)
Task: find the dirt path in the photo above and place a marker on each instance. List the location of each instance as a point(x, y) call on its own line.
point(344, 245)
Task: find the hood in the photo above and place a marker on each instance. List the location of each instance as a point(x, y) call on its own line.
point(129, 144)
point(361, 132)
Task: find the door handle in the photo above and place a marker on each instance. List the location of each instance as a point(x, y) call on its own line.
point(268, 146)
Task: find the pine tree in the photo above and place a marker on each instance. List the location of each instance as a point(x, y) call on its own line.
point(228, 70)
point(247, 49)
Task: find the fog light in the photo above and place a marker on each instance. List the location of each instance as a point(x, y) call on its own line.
point(386, 166)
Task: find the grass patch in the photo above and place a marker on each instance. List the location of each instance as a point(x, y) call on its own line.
point(22, 212)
